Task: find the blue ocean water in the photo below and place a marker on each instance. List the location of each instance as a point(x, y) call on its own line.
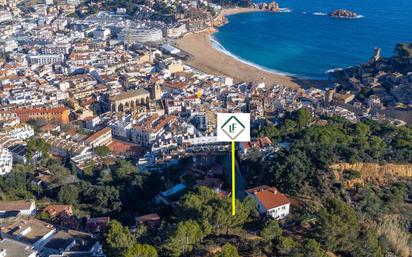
point(306, 42)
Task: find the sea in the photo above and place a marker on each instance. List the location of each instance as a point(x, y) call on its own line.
point(305, 42)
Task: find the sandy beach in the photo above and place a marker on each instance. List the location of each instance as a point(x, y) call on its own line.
point(211, 61)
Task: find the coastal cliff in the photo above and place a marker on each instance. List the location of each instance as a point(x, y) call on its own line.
point(342, 13)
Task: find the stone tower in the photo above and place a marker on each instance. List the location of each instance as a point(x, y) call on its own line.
point(377, 55)
point(156, 92)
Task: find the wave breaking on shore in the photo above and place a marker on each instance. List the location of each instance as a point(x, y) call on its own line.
point(219, 47)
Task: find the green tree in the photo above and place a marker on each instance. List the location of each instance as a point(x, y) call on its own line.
point(271, 131)
point(103, 199)
point(59, 172)
point(228, 250)
point(368, 245)
point(312, 248)
point(141, 250)
point(271, 230)
point(303, 117)
point(68, 194)
point(126, 168)
point(117, 239)
point(205, 204)
point(183, 238)
point(37, 145)
point(102, 151)
point(44, 216)
point(338, 226)
point(285, 246)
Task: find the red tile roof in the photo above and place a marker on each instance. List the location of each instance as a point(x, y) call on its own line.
point(270, 197)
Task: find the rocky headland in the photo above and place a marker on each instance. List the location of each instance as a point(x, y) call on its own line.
point(381, 82)
point(342, 13)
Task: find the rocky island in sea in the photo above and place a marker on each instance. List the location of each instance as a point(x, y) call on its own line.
point(382, 82)
point(342, 13)
point(272, 7)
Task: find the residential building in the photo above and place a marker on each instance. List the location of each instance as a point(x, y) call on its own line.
point(58, 210)
point(96, 225)
point(149, 220)
point(100, 138)
point(22, 207)
point(28, 230)
point(14, 248)
point(270, 201)
point(6, 161)
point(57, 114)
point(149, 127)
point(43, 59)
point(67, 242)
point(140, 35)
point(64, 147)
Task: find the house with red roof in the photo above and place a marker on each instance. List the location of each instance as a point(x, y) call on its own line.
point(150, 220)
point(270, 201)
point(261, 144)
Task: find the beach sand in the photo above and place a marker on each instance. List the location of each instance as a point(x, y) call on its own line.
point(211, 61)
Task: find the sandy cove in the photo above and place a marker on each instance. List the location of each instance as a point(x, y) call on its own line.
point(214, 62)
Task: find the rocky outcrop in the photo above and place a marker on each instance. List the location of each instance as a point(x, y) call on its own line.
point(342, 13)
point(272, 7)
point(377, 55)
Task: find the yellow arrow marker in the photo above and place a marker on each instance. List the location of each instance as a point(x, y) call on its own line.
point(233, 181)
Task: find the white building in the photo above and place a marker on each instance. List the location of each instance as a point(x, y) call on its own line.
point(140, 35)
point(6, 161)
point(21, 131)
point(5, 16)
point(169, 49)
point(46, 59)
point(10, 247)
point(56, 48)
point(63, 147)
point(176, 31)
point(92, 121)
point(25, 208)
point(100, 138)
point(270, 201)
point(150, 127)
point(73, 2)
point(101, 34)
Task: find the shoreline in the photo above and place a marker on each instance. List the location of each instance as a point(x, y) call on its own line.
point(208, 59)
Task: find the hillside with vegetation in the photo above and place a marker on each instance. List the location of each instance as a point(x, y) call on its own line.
point(328, 216)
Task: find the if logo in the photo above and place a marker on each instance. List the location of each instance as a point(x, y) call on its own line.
point(233, 127)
